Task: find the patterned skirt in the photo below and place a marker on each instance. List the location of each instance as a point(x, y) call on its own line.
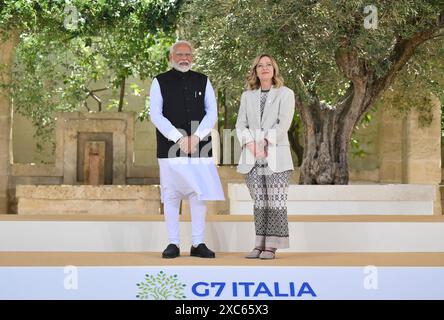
point(269, 191)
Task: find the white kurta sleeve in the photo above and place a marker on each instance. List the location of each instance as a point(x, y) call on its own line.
point(210, 118)
point(156, 114)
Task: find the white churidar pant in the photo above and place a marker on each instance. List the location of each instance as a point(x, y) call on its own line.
point(195, 179)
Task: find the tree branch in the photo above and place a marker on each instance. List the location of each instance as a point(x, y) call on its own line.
point(439, 35)
point(401, 54)
point(91, 93)
point(353, 67)
point(99, 102)
point(122, 94)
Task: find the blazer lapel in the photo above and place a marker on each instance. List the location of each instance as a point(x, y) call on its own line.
point(268, 104)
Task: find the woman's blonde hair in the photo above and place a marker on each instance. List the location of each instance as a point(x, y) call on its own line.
point(253, 81)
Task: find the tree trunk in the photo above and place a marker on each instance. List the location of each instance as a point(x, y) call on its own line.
point(293, 137)
point(327, 134)
point(328, 129)
point(122, 94)
point(7, 53)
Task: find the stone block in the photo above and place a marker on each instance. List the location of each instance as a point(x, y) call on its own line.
point(424, 172)
point(391, 132)
point(35, 170)
point(106, 192)
point(88, 207)
point(437, 204)
point(364, 175)
point(391, 151)
point(84, 199)
point(370, 199)
point(390, 171)
point(35, 181)
point(143, 157)
point(4, 205)
point(424, 149)
point(142, 139)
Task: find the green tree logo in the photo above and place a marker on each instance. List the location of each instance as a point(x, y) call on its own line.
point(161, 287)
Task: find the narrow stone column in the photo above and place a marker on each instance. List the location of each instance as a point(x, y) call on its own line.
point(422, 155)
point(390, 147)
point(7, 51)
point(410, 153)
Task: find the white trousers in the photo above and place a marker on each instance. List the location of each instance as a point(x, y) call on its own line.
point(171, 207)
point(195, 179)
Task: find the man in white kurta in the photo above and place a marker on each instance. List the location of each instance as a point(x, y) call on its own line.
point(184, 177)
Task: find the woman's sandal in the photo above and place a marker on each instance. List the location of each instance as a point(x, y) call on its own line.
point(267, 254)
point(254, 254)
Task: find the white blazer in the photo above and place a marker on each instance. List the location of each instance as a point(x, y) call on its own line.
point(276, 120)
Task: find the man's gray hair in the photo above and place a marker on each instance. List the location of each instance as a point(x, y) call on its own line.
point(181, 42)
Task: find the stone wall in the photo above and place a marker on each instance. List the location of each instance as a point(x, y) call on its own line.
point(399, 151)
point(410, 153)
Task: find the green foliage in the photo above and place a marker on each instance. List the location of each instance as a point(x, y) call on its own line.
point(416, 82)
point(305, 37)
point(160, 287)
point(94, 16)
point(356, 148)
point(66, 47)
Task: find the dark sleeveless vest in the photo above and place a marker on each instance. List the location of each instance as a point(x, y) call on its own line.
point(183, 95)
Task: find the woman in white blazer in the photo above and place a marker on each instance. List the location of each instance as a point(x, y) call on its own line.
point(264, 117)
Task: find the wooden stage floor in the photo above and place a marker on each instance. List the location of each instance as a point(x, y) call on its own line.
point(407, 259)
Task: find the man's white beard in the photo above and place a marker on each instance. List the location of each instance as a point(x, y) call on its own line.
point(181, 68)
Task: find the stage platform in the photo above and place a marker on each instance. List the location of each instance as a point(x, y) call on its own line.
point(291, 276)
point(119, 257)
point(224, 233)
point(323, 259)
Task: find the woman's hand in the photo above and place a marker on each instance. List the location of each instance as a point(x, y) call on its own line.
point(259, 150)
point(262, 149)
point(252, 147)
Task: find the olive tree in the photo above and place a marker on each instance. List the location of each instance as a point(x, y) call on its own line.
point(339, 56)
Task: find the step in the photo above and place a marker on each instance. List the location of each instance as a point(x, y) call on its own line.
point(87, 199)
point(318, 259)
point(381, 199)
point(371, 233)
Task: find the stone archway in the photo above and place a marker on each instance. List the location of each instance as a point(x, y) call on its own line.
point(7, 51)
